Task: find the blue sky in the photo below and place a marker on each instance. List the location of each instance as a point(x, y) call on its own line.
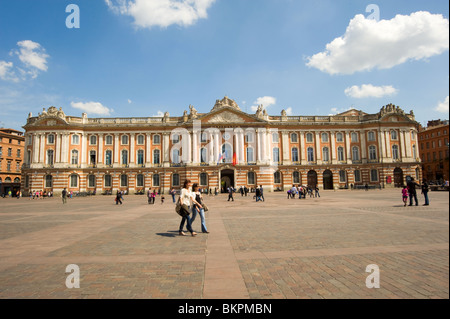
point(142, 57)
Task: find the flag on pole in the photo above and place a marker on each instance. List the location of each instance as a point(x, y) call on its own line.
point(221, 157)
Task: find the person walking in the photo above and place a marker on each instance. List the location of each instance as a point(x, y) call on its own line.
point(118, 197)
point(230, 193)
point(185, 198)
point(412, 192)
point(425, 190)
point(149, 196)
point(172, 192)
point(197, 209)
point(64, 195)
point(317, 194)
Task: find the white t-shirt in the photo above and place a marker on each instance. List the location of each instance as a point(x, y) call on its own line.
point(186, 196)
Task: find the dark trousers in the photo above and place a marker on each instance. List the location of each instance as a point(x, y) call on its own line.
point(425, 195)
point(411, 199)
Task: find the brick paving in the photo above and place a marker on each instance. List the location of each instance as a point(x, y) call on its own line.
point(314, 248)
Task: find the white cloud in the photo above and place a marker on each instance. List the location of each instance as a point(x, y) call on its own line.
point(159, 114)
point(162, 13)
point(369, 44)
point(265, 101)
point(6, 71)
point(92, 108)
point(289, 111)
point(443, 106)
point(33, 56)
point(335, 110)
point(129, 101)
point(369, 90)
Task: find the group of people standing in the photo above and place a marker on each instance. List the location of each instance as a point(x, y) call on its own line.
point(302, 191)
point(410, 190)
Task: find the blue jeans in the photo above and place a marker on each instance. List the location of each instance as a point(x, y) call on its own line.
point(202, 218)
point(186, 219)
point(427, 201)
point(411, 196)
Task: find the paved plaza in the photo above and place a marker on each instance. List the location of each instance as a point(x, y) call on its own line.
point(282, 248)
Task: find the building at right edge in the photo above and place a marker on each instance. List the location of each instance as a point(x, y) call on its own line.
point(434, 151)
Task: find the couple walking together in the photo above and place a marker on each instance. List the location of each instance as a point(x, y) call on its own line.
point(186, 197)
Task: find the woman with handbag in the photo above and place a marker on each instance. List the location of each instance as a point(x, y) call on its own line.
point(185, 199)
point(200, 210)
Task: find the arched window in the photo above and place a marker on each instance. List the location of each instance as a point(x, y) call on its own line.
point(326, 154)
point(124, 157)
point(75, 139)
point(74, 160)
point(124, 139)
point(17, 180)
point(250, 155)
point(92, 157)
point(341, 156)
point(156, 156)
point(108, 157)
point(414, 149)
point(123, 180)
point(203, 179)
point(140, 157)
point(374, 175)
point(50, 139)
point(394, 135)
point(251, 178)
point(276, 154)
point(93, 140)
point(310, 154)
point(277, 177)
point(354, 137)
point(50, 157)
point(339, 137)
point(372, 152)
point(295, 154)
point(108, 181)
point(139, 180)
point(91, 181)
point(203, 155)
point(141, 139)
point(355, 153)
point(294, 138)
point(371, 136)
point(156, 180)
point(296, 177)
point(342, 176)
point(325, 137)
point(309, 137)
point(108, 140)
point(175, 179)
point(48, 181)
point(157, 139)
point(74, 181)
point(176, 156)
point(395, 154)
point(227, 153)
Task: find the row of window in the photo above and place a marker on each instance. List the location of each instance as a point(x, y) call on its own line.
point(176, 182)
point(249, 138)
point(10, 140)
point(441, 143)
point(18, 154)
point(9, 166)
point(124, 180)
point(228, 155)
point(438, 133)
point(9, 180)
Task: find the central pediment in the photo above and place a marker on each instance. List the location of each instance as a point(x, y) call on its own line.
point(226, 117)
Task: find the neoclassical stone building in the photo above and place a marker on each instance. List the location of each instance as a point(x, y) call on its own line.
point(223, 147)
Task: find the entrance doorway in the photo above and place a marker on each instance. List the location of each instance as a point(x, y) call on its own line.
point(398, 177)
point(226, 180)
point(327, 179)
point(312, 179)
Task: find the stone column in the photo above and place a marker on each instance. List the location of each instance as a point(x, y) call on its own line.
point(318, 149)
point(148, 152)
point(302, 149)
point(333, 148)
point(195, 148)
point(132, 149)
point(100, 148)
point(363, 147)
point(116, 149)
point(286, 150)
point(42, 148)
point(348, 148)
point(35, 148)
